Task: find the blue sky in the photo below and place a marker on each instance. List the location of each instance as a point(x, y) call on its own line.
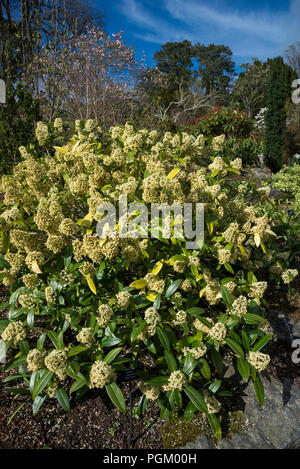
point(257, 28)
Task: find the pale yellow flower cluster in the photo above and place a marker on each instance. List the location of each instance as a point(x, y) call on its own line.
point(186, 285)
point(42, 133)
point(30, 281)
point(56, 361)
point(101, 374)
point(218, 142)
point(14, 333)
point(176, 381)
point(152, 318)
point(27, 300)
point(123, 299)
point(179, 266)
point(58, 125)
point(289, 275)
point(237, 164)
point(224, 256)
point(51, 389)
point(150, 391)
point(35, 360)
point(104, 315)
point(16, 261)
point(180, 318)
point(257, 289)
point(50, 295)
point(68, 227)
point(239, 306)
point(154, 283)
point(196, 352)
point(218, 332)
point(86, 336)
point(259, 360)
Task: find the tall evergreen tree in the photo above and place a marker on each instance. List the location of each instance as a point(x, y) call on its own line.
point(278, 91)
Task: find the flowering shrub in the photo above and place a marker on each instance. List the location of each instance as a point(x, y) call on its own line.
point(236, 128)
point(82, 308)
point(220, 120)
point(288, 181)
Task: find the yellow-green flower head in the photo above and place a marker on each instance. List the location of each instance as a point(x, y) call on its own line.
point(196, 352)
point(180, 318)
point(239, 306)
point(237, 164)
point(87, 268)
point(259, 360)
point(104, 315)
point(30, 281)
point(27, 300)
point(110, 248)
point(177, 381)
point(86, 336)
point(51, 389)
point(152, 318)
point(58, 125)
point(50, 295)
point(151, 392)
point(123, 299)
point(289, 275)
point(16, 261)
point(42, 133)
point(257, 289)
point(218, 332)
point(56, 362)
point(218, 142)
point(186, 285)
point(67, 227)
point(179, 266)
point(154, 284)
point(101, 374)
point(55, 243)
point(35, 360)
point(34, 257)
point(14, 333)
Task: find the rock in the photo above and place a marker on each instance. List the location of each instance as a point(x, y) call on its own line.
point(281, 327)
point(202, 442)
point(261, 173)
point(274, 425)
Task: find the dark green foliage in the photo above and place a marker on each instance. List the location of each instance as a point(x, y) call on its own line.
point(248, 149)
point(222, 121)
point(278, 91)
point(174, 59)
point(17, 120)
point(215, 66)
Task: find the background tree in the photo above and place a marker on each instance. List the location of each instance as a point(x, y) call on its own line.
point(278, 92)
point(21, 111)
point(215, 67)
point(249, 90)
point(292, 57)
point(175, 60)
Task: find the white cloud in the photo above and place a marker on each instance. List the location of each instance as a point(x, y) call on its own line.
point(259, 33)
